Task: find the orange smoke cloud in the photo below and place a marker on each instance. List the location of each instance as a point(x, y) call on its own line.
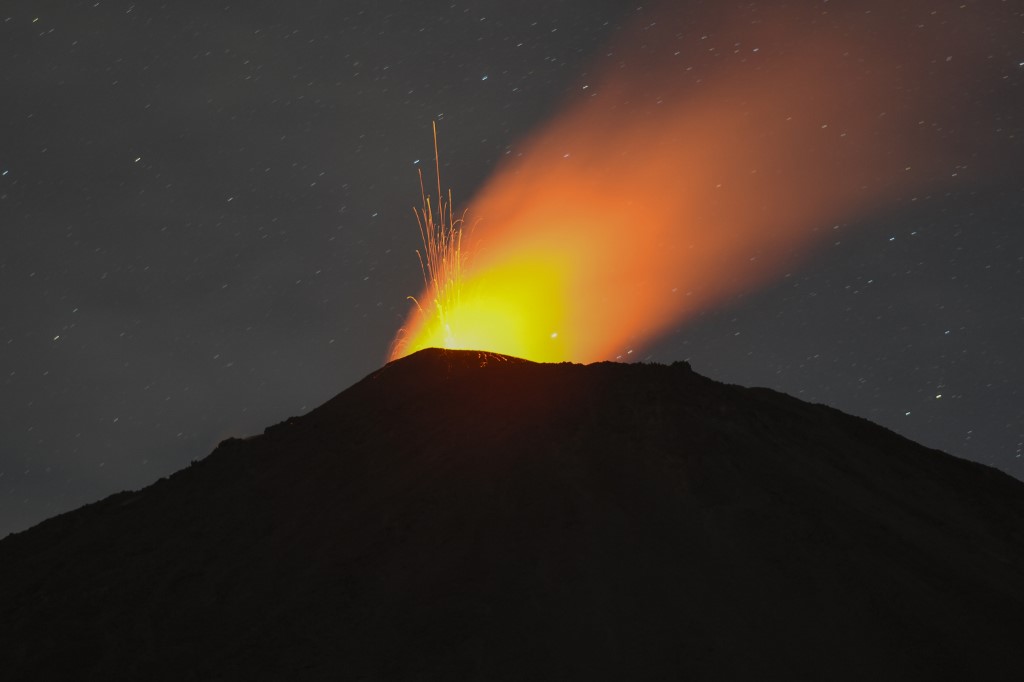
point(696, 167)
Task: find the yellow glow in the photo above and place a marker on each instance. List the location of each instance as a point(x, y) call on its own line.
point(512, 310)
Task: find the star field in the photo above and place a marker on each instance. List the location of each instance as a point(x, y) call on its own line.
point(207, 222)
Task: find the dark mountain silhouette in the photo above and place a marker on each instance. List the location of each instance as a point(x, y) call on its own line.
point(462, 515)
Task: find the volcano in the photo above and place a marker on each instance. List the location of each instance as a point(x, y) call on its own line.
point(466, 515)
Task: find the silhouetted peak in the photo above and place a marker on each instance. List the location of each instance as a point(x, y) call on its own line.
point(447, 360)
point(487, 517)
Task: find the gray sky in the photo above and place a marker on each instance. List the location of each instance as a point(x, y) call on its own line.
point(206, 227)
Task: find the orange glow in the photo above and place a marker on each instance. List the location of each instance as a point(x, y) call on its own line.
point(662, 190)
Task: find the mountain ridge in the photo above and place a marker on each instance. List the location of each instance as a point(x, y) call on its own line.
point(465, 514)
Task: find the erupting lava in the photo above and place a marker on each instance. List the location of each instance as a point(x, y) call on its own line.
point(441, 263)
point(700, 164)
point(500, 312)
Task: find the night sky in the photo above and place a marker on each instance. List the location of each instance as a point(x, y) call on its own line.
point(207, 223)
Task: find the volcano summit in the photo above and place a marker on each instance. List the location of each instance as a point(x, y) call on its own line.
point(465, 515)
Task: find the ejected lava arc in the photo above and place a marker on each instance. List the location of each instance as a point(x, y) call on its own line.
point(696, 166)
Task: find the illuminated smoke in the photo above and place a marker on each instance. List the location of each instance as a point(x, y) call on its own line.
point(701, 163)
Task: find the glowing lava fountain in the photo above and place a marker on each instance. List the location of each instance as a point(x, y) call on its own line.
point(702, 163)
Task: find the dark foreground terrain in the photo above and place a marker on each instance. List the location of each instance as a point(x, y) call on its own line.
point(460, 515)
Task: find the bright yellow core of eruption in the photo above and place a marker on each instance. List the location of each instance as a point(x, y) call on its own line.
point(511, 308)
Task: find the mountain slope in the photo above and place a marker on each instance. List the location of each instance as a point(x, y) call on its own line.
point(463, 515)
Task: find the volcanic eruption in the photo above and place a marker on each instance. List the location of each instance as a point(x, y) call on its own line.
point(476, 514)
point(727, 154)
